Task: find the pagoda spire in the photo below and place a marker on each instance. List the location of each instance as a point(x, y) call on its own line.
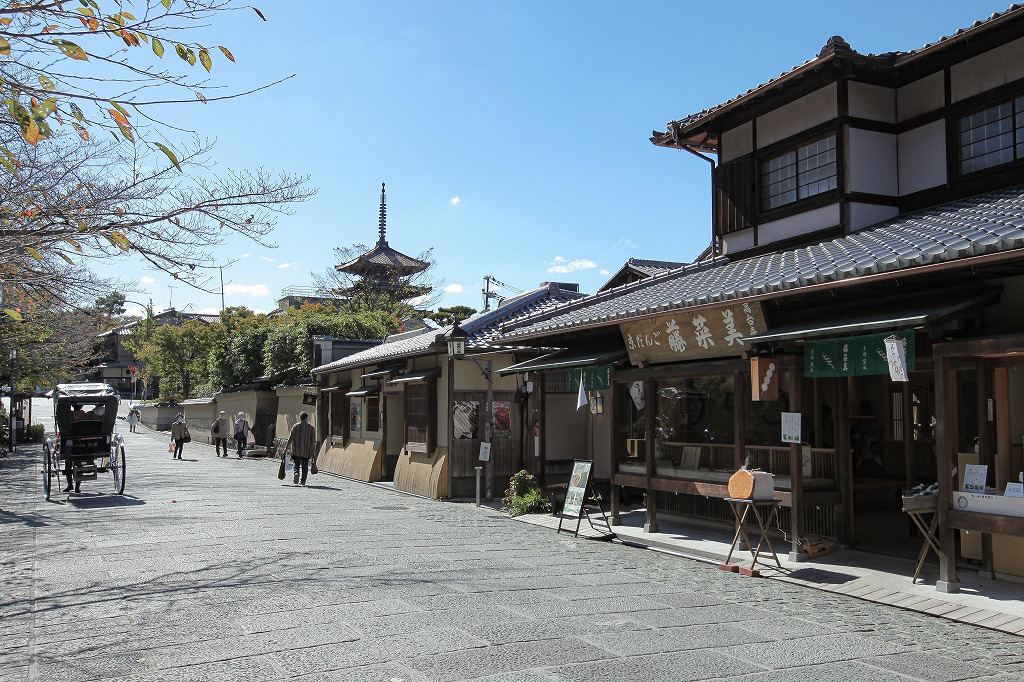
point(383, 219)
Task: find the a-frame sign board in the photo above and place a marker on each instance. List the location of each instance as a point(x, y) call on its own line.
point(576, 496)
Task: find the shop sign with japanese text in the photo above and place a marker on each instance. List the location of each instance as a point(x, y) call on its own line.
point(855, 356)
point(594, 378)
point(692, 335)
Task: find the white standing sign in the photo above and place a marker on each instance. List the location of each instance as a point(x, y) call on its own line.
point(485, 452)
point(975, 476)
point(791, 427)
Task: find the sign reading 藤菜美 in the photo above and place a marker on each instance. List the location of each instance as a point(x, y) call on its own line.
point(593, 378)
point(855, 356)
point(691, 335)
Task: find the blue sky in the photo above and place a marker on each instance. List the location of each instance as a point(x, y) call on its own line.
point(512, 135)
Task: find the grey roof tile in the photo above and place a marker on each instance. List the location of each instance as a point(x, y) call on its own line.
point(986, 224)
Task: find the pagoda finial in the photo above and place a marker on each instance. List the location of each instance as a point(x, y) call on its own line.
point(383, 221)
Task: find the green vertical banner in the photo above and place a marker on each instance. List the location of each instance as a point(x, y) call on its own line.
point(594, 378)
point(855, 356)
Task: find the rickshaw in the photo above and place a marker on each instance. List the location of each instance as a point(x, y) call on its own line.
point(86, 442)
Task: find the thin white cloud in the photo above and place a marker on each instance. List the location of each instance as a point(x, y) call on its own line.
point(454, 289)
point(244, 255)
point(266, 259)
point(147, 280)
point(604, 272)
point(254, 290)
point(455, 201)
point(624, 243)
point(419, 300)
point(285, 266)
point(209, 311)
point(562, 265)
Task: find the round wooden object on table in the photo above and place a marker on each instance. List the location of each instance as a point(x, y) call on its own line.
point(741, 485)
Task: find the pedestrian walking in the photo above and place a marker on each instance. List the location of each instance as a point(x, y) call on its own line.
point(134, 416)
point(302, 441)
point(241, 433)
point(219, 430)
point(179, 435)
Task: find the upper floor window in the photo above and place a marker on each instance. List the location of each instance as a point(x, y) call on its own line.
point(992, 136)
point(799, 173)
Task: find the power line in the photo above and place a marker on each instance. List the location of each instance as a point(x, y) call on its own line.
point(488, 294)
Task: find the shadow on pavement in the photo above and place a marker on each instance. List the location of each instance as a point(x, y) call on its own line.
point(102, 500)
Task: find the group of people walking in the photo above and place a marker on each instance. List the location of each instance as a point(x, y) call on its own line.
point(301, 441)
point(218, 429)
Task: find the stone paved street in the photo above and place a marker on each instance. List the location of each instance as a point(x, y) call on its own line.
point(212, 569)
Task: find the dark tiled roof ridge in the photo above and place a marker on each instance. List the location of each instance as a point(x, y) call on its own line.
point(985, 225)
point(837, 45)
point(616, 292)
point(510, 307)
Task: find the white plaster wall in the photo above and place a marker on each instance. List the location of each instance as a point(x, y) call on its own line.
point(864, 215)
point(794, 118)
point(737, 142)
point(872, 165)
point(799, 224)
point(988, 70)
point(872, 102)
point(468, 376)
point(922, 157)
point(738, 241)
point(923, 95)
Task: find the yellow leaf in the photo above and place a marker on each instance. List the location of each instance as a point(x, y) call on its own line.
point(126, 15)
point(71, 50)
point(169, 154)
point(204, 59)
point(82, 132)
point(227, 52)
point(85, 10)
point(5, 47)
point(190, 57)
point(181, 50)
point(127, 132)
point(9, 166)
point(35, 254)
point(167, 3)
point(66, 257)
point(6, 21)
point(13, 314)
point(120, 241)
point(78, 247)
point(47, 84)
point(200, 96)
point(158, 47)
point(31, 133)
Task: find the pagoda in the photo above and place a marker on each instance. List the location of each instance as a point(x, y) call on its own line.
point(383, 269)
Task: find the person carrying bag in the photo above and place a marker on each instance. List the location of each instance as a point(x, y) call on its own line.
point(302, 441)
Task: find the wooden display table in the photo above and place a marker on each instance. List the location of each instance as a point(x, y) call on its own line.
point(918, 507)
point(765, 512)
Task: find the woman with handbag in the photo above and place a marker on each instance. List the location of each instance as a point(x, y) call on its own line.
point(302, 441)
point(179, 435)
point(241, 433)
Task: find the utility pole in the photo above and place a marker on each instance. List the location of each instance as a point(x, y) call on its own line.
point(222, 288)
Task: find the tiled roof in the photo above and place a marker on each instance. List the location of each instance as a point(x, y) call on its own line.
point(988, 224)
point(652, 267)
point(837, 45)
point(482, 329)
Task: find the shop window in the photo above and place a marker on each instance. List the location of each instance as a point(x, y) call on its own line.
point(373, 413)
point(631, 425)
point(417, 413)
point(465, 420)
point(799, 173)
point(338, 416)
point(693, 424)
point(923, 411)
point(355, 423)
point(992, 137)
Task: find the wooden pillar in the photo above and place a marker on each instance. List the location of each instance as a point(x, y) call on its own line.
point(796, 469)
point(945, 415)
point(910, 466)
point(739, 419)
point(844, 461)
point(650, 506)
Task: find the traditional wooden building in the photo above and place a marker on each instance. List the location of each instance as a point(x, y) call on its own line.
point(858, 199)
point(409, 411)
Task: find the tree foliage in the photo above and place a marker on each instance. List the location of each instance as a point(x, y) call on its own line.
point(72, 72)
point(178, 355)
point(452, 315)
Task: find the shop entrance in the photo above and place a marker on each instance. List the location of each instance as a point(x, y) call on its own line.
point(892, 448)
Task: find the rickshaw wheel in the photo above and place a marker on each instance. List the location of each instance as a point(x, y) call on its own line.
point(117, 468)
point(47, 471)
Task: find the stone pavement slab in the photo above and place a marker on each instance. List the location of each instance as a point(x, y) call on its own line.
point(212, 569)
